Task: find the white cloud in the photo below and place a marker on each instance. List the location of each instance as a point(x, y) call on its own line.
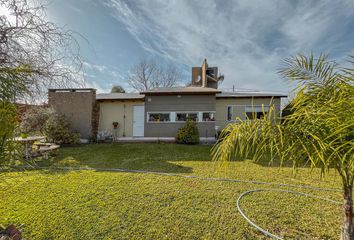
point(246, 39)
point(95, 67)
point(103, 77)
point(95, 85)
point(75, 9)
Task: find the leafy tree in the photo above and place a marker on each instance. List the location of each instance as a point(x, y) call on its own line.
point(14, 82)
point(35, 54)
point(320, 128)
point(117, 89)
point(147, 74)
point(8, 124)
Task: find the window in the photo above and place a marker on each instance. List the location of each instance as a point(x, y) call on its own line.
point(255, 115)
point(256, 112)
point(158, 117)
point(182, 117)
point(208, 116)
point(192, 116)
point(229, 113)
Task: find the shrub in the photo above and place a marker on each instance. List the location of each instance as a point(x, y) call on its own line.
point(49, 122)
point(188, 134)
point(57, 129)
point(34, 120)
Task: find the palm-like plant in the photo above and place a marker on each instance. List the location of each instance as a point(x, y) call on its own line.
point(319, 130)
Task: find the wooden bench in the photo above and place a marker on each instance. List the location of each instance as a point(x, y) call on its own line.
point(42, 144)
point(46, 148)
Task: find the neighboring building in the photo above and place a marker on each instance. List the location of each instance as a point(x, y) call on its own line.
point(161, 112)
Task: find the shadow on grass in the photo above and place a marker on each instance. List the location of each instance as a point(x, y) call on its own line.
point(266, 161)
point(137, 156)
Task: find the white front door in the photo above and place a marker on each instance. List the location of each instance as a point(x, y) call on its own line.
point(138, 121)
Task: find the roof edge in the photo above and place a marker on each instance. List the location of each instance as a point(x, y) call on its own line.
point(182, 90)
point(71, 90)
point(250, 95)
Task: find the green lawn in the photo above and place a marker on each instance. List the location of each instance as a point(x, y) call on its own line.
point(56, 204)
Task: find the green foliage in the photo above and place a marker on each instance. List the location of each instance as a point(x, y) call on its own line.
point(14, 82)
point(47, 121)
point(57, 129)
point(287, 110)
point(8, 124)
point(319, 130)
point(35, 118)
point(117, 89)
point(188, 134)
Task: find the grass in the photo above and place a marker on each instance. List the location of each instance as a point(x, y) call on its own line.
point(112, 205)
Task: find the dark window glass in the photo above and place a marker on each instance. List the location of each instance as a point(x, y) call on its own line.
point(208, 116)
point(192, 116)
point(159, 117)
point(255, 115)
point(182, 117)
point(229, 113)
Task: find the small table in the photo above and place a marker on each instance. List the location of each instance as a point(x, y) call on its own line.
point(28, 143)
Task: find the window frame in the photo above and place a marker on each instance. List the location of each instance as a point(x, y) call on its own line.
point(229, 114)
point(159, 112)
point(202, 118)
point(173, 116)
point(258, 114)
point(186, 112)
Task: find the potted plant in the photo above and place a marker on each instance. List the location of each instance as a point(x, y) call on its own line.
point(115, 125)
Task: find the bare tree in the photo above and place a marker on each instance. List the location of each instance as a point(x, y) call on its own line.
point(35, 54)
point(147, 75)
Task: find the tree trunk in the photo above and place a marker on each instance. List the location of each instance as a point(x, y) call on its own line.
point(347, 232)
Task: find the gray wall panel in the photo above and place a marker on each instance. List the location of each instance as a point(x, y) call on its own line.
point(175, 103)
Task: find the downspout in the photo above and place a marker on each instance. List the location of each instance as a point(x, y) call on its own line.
point(124, 120)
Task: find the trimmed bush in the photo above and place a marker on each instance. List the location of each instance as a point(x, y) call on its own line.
point(188, 134)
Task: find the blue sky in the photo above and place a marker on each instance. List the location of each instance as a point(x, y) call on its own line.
point(247, 40)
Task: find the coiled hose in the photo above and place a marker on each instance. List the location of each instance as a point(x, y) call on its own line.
point(265, 232)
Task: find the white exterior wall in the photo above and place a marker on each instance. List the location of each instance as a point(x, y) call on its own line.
point(120, 111)
point(239, 105)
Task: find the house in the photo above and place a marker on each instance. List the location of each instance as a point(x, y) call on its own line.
point(161, 112)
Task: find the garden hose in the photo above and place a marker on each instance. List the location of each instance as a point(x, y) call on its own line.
point(265, 232)
point(188, 176)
